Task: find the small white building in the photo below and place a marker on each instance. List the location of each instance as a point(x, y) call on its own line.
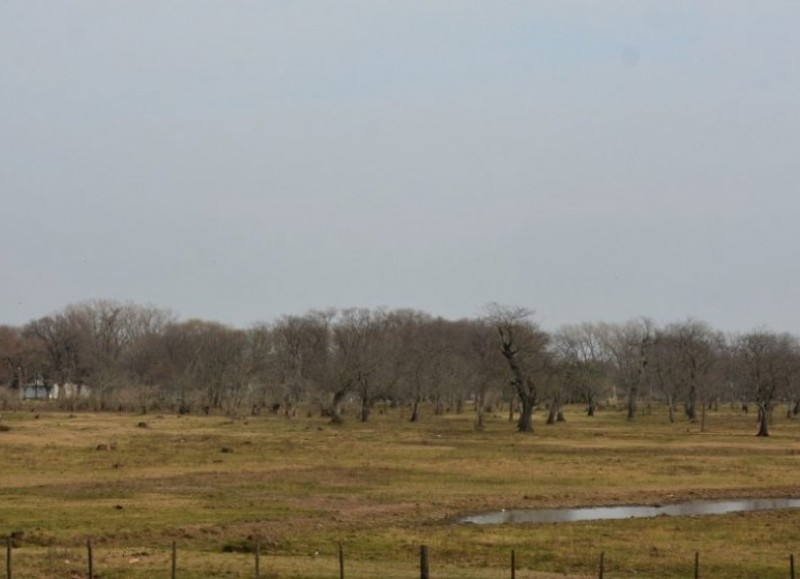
point(41, 391)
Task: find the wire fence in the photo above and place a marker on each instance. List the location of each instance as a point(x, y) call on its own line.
point(601, 572)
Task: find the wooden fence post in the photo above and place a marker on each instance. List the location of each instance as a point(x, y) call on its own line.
point(90, 558)
point(174, 559)
point(341, 562)
point(258, 560)
point(423, 563)
point(602, 564)
point(697, 565)
point(791, 566)
point(8, 557)
point(513, 565)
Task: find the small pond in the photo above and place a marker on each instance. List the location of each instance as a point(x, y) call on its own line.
point(629, 512)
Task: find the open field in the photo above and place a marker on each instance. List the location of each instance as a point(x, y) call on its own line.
point(382, 488)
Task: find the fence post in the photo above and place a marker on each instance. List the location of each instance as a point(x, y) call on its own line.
point(174, 559)
point(90, 558)
point(423, 563)
point(258, 560)
point(791, 566)
point(697, 565)
point(341, 562)
point(513, 565)
point(602, 564)
point(8, 557)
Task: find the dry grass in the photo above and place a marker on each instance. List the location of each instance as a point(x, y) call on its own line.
point(382, 489)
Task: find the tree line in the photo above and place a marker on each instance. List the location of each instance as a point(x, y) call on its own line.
point(353, 360)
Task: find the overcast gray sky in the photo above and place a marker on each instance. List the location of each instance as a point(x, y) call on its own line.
point(238, 160)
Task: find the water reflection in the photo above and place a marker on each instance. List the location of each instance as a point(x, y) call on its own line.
point(628, 512)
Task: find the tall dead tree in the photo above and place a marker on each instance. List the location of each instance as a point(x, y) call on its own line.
point(523, 345)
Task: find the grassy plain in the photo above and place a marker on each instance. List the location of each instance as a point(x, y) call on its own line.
point(299, 487)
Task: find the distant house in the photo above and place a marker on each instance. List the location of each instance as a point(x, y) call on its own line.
point(39, 390)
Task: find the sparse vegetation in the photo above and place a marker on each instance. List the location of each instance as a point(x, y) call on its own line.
point(299, 487)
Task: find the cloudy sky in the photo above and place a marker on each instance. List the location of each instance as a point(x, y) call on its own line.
point(238, 160)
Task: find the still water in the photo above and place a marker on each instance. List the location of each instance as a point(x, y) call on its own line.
point(629, 512)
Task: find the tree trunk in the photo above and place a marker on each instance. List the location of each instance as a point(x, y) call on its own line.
point(415, 410)
point(551, 413)
point(691, 404)
point(525, 422)
point(525, 391)
point(336, 406)
point(763, 419)
point(479, 409)
point(632, 393)
point(555, 414)
point(671, 408)
point(183, 407)
point(438, 406)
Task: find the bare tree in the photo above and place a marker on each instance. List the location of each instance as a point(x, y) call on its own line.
point(556, 386)
point(300, 349)
point(205, 363)
point(482, 362)
point(628, 345)
point(666, 368)
point(105, 328)
point(585, 361)
point(524, 346)
point(791, 393)
point(767, 362)
point(356, 359)
point(697, 347)
point(20, 356)
point(409, 343)
point(65, 345)
point(140, 361)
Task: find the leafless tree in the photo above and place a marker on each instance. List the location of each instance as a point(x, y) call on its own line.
point(356, 359)
point(300, 349)
point(485, 371)
point(65, 346)
point(666, 369)
point(628, 345)
point(411, 349)
point(20, 357)
point(524, 347)
point(767, 362)
point(585, 362)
